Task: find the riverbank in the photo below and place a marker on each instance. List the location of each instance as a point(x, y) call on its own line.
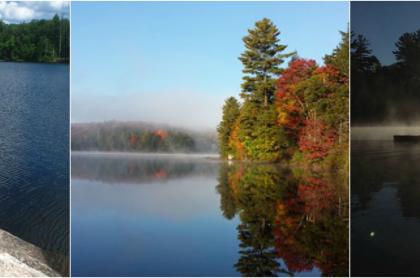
point(19, 258)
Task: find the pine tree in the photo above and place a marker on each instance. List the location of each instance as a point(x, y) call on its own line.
point(261, 60)
point(340, 56)
point(362, 59)
point(230, 114)
point(407, 53)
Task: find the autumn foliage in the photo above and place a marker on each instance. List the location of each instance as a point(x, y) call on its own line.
point(162, 134)
point(290, 102)
point(301, 220)
point(316, 139)
point(300, 116)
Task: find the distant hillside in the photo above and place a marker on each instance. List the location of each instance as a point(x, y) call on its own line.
point(140, 137)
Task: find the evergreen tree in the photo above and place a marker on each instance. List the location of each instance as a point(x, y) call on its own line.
point(362, 59)
point(230, 114)
point(340, 56)
point(270, 139)
point(261, 60)
point(408, 53)
point(364, 67)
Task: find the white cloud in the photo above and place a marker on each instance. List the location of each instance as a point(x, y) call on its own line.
point(13, 11)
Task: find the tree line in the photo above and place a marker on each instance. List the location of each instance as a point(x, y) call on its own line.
point(385, 93)
point(36, 41)
point(138, 137)
point(299, 112)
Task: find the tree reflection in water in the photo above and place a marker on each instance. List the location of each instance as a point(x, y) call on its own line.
point(289, 223)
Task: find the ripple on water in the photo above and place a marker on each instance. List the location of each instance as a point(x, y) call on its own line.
point(34, 182)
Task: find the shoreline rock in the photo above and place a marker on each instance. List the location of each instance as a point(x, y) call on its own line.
point(19, 258)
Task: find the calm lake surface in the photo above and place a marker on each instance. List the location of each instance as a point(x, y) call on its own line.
point(191, 215)
point(385, 186)
point(34, 156)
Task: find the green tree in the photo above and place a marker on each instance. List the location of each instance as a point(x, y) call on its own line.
point(225, 128)
point(36, 41)
point(261, 60)
point(362, 59)
point(340, 56)
point(408, 53)
point(269, 139)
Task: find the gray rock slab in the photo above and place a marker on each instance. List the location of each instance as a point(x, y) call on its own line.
point(19, 258)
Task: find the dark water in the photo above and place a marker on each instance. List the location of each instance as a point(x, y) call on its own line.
point(385, 234)
point(157, 215)
point(34, 175)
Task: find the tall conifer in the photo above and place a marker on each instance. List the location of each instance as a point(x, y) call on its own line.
point(230, 114)
point(262, 61)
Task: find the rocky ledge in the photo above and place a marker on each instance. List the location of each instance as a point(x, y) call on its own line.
point(19, 258)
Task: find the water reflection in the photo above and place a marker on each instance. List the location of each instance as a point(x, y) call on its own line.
point(139, 168)
point(385, 208)
point(195, 216)
point(288, 225)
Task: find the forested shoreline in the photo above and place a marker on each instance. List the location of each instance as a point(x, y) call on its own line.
point(140, 137)
point(297, 114)
point(386, 94)
point(44, 41)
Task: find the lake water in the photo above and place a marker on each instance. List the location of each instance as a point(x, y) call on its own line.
point(191, 215)
point(34, 156)
point(385, 186)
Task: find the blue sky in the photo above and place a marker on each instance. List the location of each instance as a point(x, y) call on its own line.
point(176, 62)
point(382, 23)
point(16, 12)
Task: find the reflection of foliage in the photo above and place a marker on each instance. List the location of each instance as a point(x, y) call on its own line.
point(311, 228)
point(137, 169)
point(227, 202)
point(301, 221)
point(258, 194)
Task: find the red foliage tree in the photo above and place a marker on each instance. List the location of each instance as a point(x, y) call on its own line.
point(163, 134)
point(134, 139)
point(316, 139)
point(289, 99)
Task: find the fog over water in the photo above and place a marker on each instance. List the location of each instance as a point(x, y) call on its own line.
point(181, 108)
point(382, 132)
